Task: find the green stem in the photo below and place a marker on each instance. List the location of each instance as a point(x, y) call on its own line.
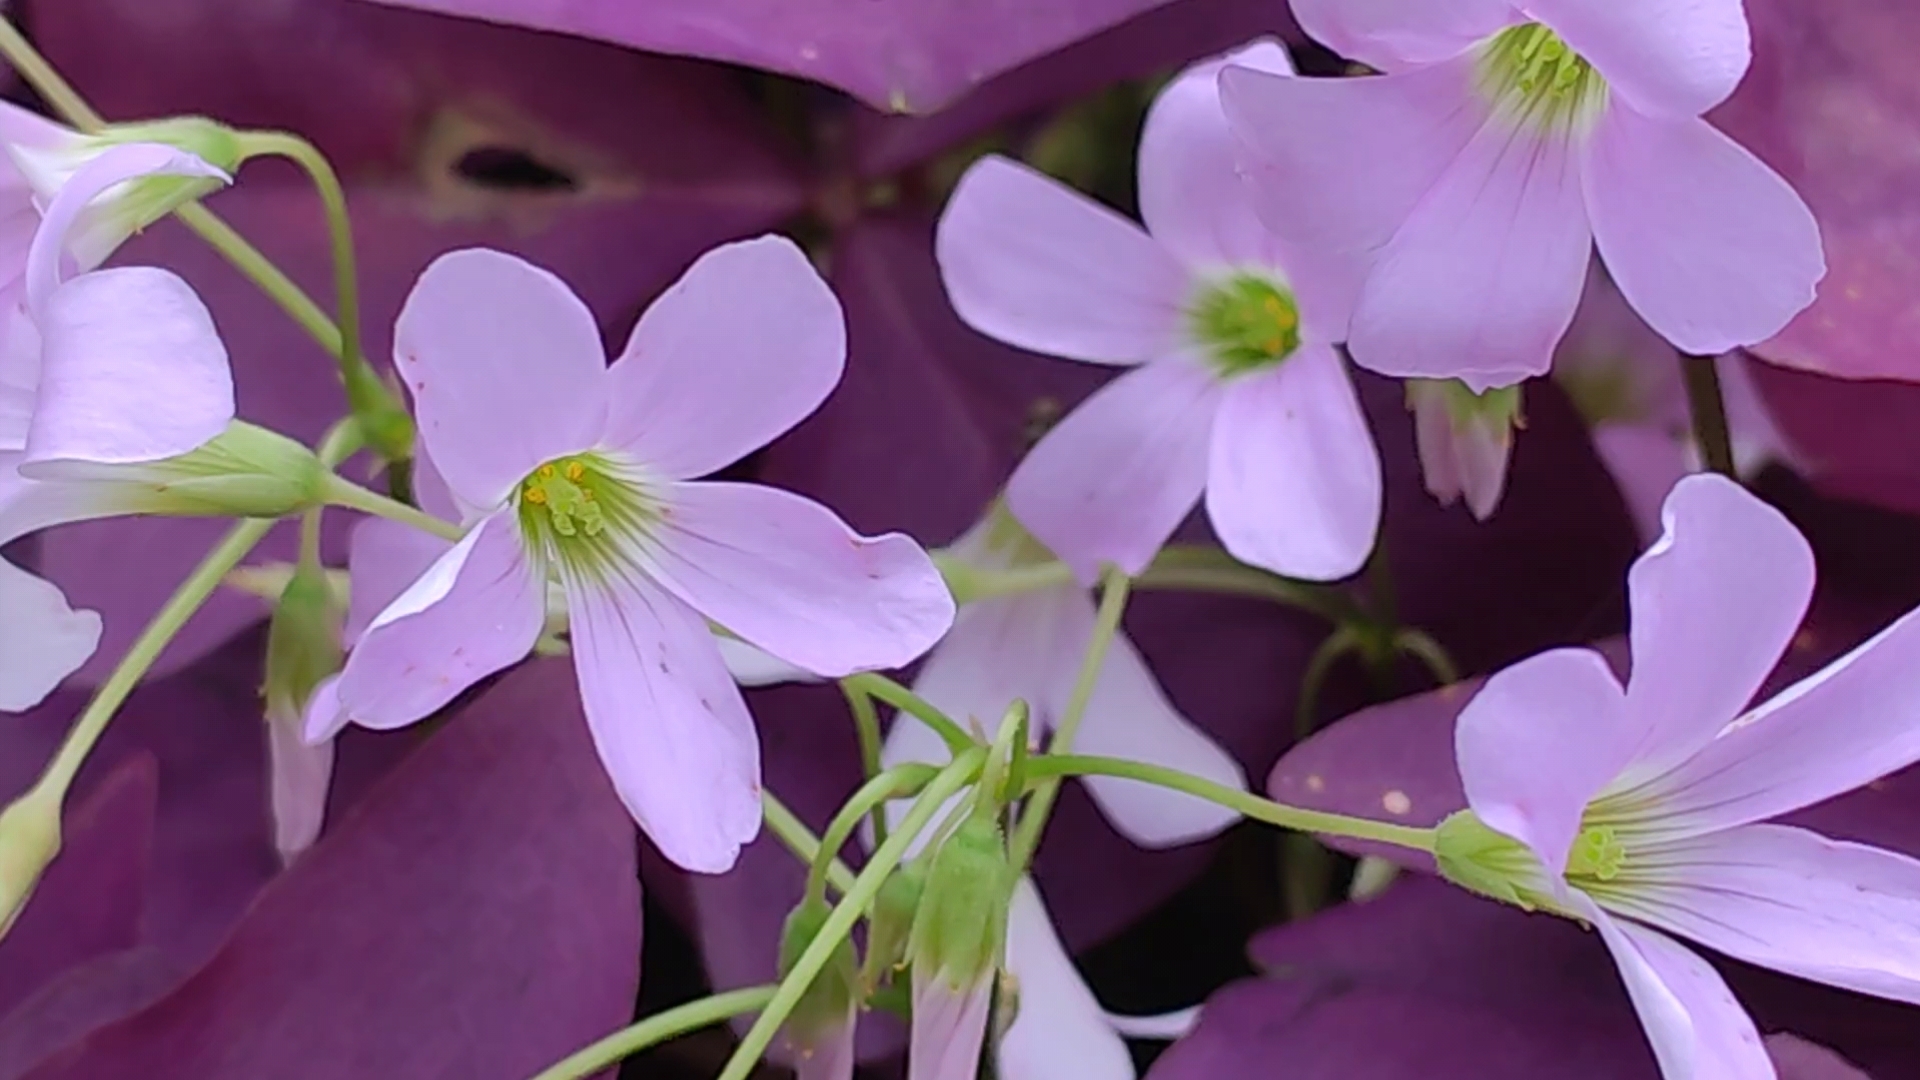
point(1709, 410)
point(800, 840)
point(147, 648)
point(878, 686)
point(333, 201)
point(1106, 624)
point(898, 782)
point(49, 83)
point(1253, 806)
point(344, 492)
point(1196, 568)
point(838, 925)
point(866, 727)
point(658, 1029)
point(1338, 644)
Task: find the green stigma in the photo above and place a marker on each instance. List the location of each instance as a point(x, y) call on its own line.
point(1597, 855)
point(1539, 80)
point(1245, 323)
point(574, 509)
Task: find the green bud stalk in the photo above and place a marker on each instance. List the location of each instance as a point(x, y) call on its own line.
point(303, 650)
point(29, 841)
point(959, 936)
point(820, 1028)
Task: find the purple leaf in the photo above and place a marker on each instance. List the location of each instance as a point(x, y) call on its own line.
point(649, 162)
point(1830, 104)
point(1861, 439)
point(899, 55)
point(478, 915)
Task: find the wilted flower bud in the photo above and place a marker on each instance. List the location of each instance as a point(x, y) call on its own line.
point(820, 1028)
point(1465, 440)
point(959, 934)
point(303, 649)
point(29, 840)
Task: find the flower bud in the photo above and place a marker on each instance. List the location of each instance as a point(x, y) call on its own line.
point(891, 926)
point(29, 840)
point(245, 471)
point(820, 1028)
point(1465, 440)
point(959, 935)
point(303, 649)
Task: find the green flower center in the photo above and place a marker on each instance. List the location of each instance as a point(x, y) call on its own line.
point(1495, 865)
point(576, 510)
point(1597, 856)
point(1538, 80)
point(1245, 323)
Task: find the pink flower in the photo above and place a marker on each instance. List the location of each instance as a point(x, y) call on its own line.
point(1641, 810)
point(1238, 391)
point(1029, 647)
point(1506, 140)
point(103, 379)
point(572, 468)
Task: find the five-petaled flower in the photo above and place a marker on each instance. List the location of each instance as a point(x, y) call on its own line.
point(1506, 140)
point(1238, 391)
point(569, 468)
point(1642, 810)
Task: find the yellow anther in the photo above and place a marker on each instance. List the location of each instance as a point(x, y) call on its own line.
point(575, 471)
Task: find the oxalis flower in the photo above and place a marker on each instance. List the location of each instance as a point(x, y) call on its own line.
point(115, 398)
point(1238, 390)
point(570, 468)
point(1642, 811)
point(1506, 140)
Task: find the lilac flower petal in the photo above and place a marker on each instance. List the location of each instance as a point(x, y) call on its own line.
point(784, 573)
point(132, 370)
point(325, 718)
point(1538, 742)
point(1060, 1029)
point(1715, 603)
point(1798, 1059)
point(911, 59)
point(478, 609)
point(1396, 34)
point(1036, 264)
point(1457, 293)
point(463, 344)
point(299, 776)
point(1420, 121)
point(1130, 717)
point(1708, 244)
point(89, 902)
point(1843, 914)
point(1696, 1027)
point(1836, 730)
point(1112, 481)
point(1293, 477)
point(1462, 460)
point(1667, 59)
point(79, 225)
point(42, 639)
point(949, 1024)
point(668, 722)
point(1192, 197)
point(354, 937)
point(741, 348)
point(386, 558)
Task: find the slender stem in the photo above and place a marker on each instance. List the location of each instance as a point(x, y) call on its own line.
point(876, 685)
point(1421, 644)
point(805, 846)
point(333, 200)
point(895, 783)
point(1197, 568)
point(1253, 806)
point(344, 492)
point(658, 1028)
point(838, 925)
point(1338, 644)
point(866, 727)
point(1106, 624)
point(1709, 411)
point(147, 648)
point(49, 83)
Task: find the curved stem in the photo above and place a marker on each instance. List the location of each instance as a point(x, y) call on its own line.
point(147, 648)
point(878, 686)
point(895, 783)
point(848, 911)
point(800, 840)
point(1338, 644)
point(658, 1029)
point(344, 492)
point(333, 201)
point(1253, 806)
point(866, 727)
point(1106, 624)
